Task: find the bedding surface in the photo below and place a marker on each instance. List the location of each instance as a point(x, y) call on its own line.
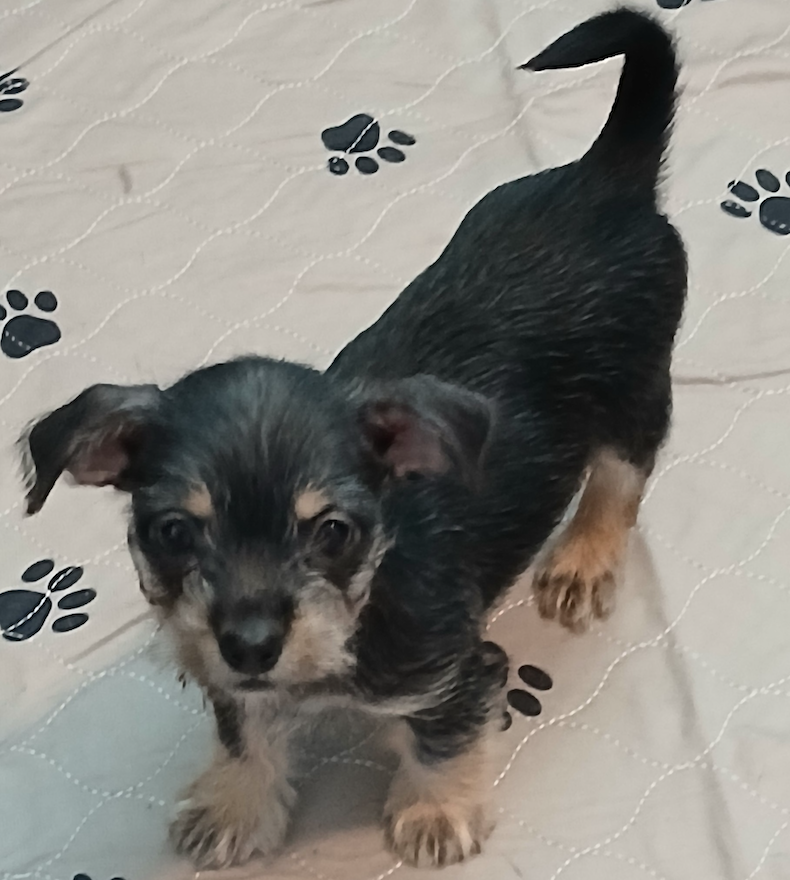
point(185, 182)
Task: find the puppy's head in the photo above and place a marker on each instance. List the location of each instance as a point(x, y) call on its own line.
point(256, 486)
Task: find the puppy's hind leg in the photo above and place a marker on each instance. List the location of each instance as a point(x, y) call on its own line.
point(575, 582)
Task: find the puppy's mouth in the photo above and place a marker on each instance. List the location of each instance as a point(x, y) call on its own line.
point(254, 684)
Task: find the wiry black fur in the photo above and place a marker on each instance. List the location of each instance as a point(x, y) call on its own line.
point(557, 302)
point(229, 717)
point(558, 298)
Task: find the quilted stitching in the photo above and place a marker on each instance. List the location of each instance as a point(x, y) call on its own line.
point(165, 177)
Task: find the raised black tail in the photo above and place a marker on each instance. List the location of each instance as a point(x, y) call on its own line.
point(633, 140)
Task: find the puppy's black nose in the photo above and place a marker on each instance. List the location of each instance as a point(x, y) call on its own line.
point(252, 646)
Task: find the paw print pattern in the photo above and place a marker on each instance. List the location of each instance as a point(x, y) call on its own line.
point(360, 135)
point(524, 702)
point(674, 4)
point(11, 85)
point(23, 334)
point(86, 877)
point(24, 612)
point(774, 211)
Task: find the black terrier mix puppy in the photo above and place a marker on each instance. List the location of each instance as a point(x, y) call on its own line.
point(312, 537)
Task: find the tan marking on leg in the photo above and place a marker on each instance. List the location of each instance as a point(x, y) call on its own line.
point(575, 582)
point(438, 815)
point(198, 502)
point(239, 807)
point(310, 502)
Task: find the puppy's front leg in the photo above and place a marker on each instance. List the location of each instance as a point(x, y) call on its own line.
point(240, 805)
point(436, 813)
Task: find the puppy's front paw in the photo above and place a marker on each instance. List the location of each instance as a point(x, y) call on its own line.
point(209, 838)
point(229, 814)
point(575, 589)
point(430, 835)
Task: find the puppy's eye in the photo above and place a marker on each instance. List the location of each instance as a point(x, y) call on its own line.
point(174, 534)
point(333, 536)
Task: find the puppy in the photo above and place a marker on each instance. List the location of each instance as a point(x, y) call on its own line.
point(311, 537)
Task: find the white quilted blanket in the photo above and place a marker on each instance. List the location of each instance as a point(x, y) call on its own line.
point(177, 186)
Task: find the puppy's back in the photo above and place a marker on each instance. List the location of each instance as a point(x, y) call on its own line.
point(543, 268)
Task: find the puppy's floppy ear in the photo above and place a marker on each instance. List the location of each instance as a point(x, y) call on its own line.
point(424, 426)
point(94, 438)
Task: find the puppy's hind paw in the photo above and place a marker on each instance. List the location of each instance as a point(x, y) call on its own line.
point(573, 597)
point(432, 836)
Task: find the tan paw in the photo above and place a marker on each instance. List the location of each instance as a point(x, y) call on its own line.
point(224, 822)
point(432, 835)
point(573, 596)
point(209, 840)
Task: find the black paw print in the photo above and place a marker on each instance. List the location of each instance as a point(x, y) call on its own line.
point(774, 211)
point(23, 334)
point(524, 702)
point(86, 877)
point(497, 663)
point(360, 134)
point(24, 612)
point(674, 4)
point(11, 85)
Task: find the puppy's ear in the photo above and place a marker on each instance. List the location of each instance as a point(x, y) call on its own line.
point(94, 438)
point(424, 426)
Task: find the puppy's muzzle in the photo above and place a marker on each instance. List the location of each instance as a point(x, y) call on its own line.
point(252, 646)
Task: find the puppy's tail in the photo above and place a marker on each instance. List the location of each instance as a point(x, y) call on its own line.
point(633, 140)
